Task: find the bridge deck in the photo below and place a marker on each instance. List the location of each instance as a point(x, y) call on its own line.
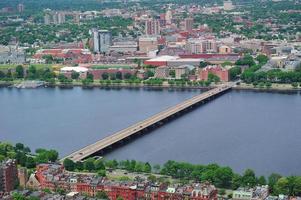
point(120, 135)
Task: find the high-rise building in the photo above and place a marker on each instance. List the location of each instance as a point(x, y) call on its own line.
point(47, 19)
point(188, 24)
point(194, 46)
point(8, 175)
point(152, 27)
point(168, 16)
point(61, 17)
point(210, 46)
point(102, 40)
point(20, 7)
point(55, 18)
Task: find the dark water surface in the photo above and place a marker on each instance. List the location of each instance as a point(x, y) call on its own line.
point(241, 129)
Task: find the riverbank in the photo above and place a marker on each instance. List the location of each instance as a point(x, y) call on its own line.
point(165, 85)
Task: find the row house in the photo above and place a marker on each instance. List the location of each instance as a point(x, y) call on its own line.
point(53, 176)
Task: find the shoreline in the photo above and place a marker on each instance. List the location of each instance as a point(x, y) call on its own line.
point(282, 88)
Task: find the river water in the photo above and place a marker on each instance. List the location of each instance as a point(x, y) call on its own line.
point(241, 129)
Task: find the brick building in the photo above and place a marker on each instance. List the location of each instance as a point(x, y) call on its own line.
point(217, 70)
point(97, 73)
point(53, 176)
point(8, 175)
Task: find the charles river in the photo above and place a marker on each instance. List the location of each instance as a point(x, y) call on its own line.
point(241, 129)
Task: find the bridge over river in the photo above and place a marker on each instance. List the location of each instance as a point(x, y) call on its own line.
point(147, 124)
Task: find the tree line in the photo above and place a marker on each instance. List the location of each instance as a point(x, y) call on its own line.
point(222, 177)
point(24, 156)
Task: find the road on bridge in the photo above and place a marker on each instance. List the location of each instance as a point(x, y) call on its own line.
point(120, 135)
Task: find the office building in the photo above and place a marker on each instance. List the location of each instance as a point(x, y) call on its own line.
point(152, 27)
point(102, 40)
point(20, 7)
point(188, 24)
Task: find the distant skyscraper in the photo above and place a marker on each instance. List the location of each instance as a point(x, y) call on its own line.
point(20, 7)
point(188, 24)
point(152, 27)
point(102, 40)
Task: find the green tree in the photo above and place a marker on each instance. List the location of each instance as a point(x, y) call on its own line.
point(9, 74)
point(127, 76)
point(99, 165)
point(149, 73)
point(236, 181)
point(203, 64)
point(18, 196)
point(112, 76)
point(119, 75)
point(172, 73)
point(282, 186)
point(19, 146)
point(79, 165)
point(223, 177)
point(234, 72)
point(48, 59)
point(32, 73)
point(21, 158)
point(246, 60)
point(101, 173)
point(262, 59)
point(262, 180)
point(297, 186)
point(249, 178)
point(102, 195)
point(52, 155)
point(19, 71)
point(30, 162)
point(74, 75)
point(157, 168)
point(89, 164)
point(147, 168)
point(213, 78)
point(105, 76)
point(2, 75)
point(69, 164)
point(90, 77)
point(152, 178)
point(272, 180)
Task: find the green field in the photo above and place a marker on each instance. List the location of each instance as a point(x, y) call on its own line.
point(38, 66)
